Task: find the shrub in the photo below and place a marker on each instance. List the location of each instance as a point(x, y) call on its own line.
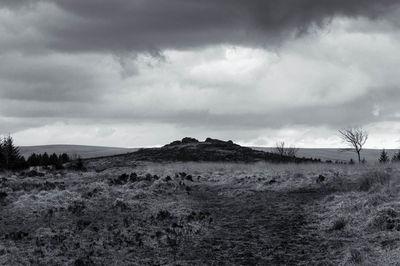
point(78, 165)
point(369, 180)
point(386, 219)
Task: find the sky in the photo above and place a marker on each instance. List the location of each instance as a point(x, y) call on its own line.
point(138, 73)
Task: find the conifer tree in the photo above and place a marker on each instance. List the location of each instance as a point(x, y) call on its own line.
point(53, 160)
point(10, 155)
point(64, 158)
point(384, 158)
point(33, 160)
point(45, 160)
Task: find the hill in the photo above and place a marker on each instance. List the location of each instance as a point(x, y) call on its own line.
point(75, 150)
point(210, 150)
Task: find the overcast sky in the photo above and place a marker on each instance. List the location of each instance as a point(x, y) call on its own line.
point(135, 73)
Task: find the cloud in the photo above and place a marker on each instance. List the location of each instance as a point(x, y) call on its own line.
point(154, 25)
point(220, 87)
point(52, 78)
point(110, 72)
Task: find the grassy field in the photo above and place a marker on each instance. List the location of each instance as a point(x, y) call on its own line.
point(202, 214)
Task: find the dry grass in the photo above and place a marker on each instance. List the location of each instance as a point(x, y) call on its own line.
point(361, 208)
point(156, 218)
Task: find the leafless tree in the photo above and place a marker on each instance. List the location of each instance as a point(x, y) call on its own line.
point(280, 148)
point(285, 151)
point(356, 137)
point(291, 151)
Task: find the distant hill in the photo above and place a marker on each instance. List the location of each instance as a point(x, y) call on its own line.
point(78, 150)
point(371, 155)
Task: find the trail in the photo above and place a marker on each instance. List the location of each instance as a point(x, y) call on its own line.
point(258, 228)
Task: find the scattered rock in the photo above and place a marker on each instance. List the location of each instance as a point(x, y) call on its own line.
point(182, 174)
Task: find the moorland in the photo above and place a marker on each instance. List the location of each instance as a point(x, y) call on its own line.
point(143, 209)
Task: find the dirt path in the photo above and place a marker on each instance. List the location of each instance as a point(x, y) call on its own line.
point(258, 228)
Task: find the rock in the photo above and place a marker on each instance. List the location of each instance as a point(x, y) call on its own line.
point(216, 141)
point(182, 174)
point(174, 143)
point(189, 140)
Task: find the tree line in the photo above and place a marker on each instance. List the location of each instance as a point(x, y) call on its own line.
point(11, 159)
point(45, 159)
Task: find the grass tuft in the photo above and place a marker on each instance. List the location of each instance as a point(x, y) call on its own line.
point(354, 256)
point(369, 180)
point(339, 224)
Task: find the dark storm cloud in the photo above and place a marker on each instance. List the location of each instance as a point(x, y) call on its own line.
point(151, 25)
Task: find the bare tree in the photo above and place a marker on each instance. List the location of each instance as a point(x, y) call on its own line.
point(285, 151)
point(291, 151)
point(356, 137)
point(280, 148)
